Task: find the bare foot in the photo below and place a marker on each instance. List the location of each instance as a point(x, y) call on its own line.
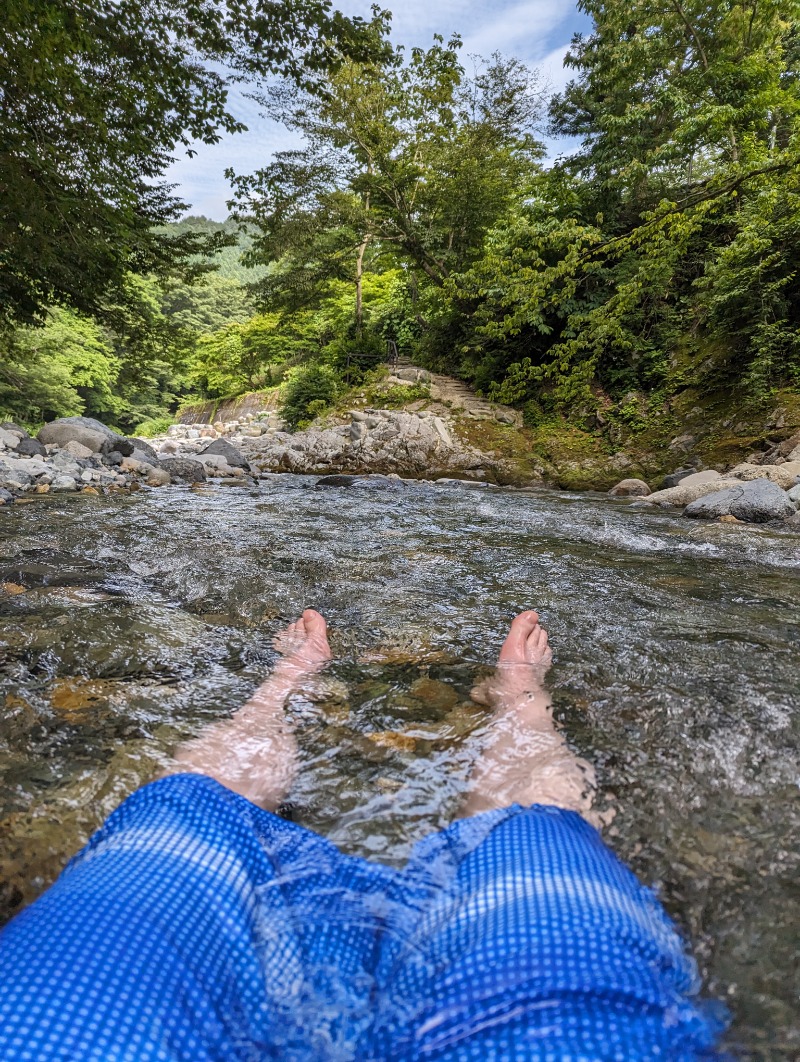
point(523, 662)
point(525, 759)
point(304, 645)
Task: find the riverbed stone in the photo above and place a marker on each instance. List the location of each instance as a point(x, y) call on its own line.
point(794, 494)
point(184, 468)
point(222, 448)
point(87, 431)
point(785, 475)
point(630, 488)
point(755, 501)
point(15, 429)
point(216, 465)
point(9, 440)
point(60, 434)
point(13, 474)
point(76, 449)
point(27, 447)
point(676, 477)
point(157, 477)
point(337, 481)
point(687, 492)
point(63, 484)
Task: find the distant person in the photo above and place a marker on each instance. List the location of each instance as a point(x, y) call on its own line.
point(196, 925)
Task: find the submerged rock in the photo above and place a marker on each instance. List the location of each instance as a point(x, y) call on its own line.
point(755, 502)
point(337, 481)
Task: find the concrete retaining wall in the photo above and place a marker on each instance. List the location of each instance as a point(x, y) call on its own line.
point(230, 408)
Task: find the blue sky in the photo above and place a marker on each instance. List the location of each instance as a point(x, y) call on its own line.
point(537, 31)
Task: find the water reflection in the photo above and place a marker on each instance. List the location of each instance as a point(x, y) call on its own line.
point(128, 623)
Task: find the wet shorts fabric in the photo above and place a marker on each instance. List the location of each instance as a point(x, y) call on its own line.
point(196, 926)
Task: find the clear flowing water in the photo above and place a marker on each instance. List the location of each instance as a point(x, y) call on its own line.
point(129, 622)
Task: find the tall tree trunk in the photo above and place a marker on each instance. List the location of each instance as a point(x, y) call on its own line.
point(362, 247)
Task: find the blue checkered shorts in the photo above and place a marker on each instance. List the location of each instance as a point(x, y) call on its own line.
point(195, 926)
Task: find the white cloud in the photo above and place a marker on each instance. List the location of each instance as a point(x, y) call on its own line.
point(522, 29)
point(527, 29)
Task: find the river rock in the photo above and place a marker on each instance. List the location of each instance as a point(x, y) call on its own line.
point(184, 468)
point(143, 451)
point(28, 447)
point(63, 484)
point(233, 457)
point(15, 429)
point(130, 464)
point(157, 477)
point(337, 481)
point(216, 465)
point(14, 474)
point(785, 475)
point(65, 428)
point(9, 440)
point(676, 477)
point(794, 494)
point(76, 449)
point(59, 434)
point(754, 501)
point(630, 488)
point(685, 493)
point(142, 457)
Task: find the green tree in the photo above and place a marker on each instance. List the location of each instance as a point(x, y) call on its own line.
point(404, 161)
point(65, 368)
point(97, 95)
point(675, 226)
point(209, 304)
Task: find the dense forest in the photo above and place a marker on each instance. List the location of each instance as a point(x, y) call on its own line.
point(419, 214)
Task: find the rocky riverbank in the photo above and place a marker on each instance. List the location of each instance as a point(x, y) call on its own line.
point(429, 427)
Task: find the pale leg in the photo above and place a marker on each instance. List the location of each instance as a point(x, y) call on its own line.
point(255, 752)
point(525, 760)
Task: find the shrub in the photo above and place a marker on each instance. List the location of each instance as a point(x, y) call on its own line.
point(308, 391)
point(154, 426)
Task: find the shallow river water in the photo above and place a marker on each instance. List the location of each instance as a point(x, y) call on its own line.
point(128, 622)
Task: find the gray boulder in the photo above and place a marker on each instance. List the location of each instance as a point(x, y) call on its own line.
point(794, 494)
point(630, 488)
point(143, 451)
point(143, 457)
point(754, 501)
point(232, 456)
point(88, 432)
point(30, 448)
point(9, 425)
point(184, 468)
point(59, 434)
point(674, 478)
point(14, 474)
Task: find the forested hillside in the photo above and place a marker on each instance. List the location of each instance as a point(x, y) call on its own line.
point(656, 261)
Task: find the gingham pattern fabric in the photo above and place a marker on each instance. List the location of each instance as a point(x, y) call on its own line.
point(195, 926)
